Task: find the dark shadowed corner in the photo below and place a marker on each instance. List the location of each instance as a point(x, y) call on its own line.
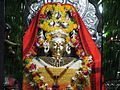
point(1, 42)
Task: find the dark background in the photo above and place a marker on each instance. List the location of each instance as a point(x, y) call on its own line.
point(2, 23)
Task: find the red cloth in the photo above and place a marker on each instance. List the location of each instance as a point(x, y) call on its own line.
point(90, 48)
point(30, 36)
point(87, 42)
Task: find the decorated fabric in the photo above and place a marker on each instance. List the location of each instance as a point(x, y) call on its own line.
point(52, 18)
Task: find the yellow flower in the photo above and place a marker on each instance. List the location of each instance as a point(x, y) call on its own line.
point(45, 26)
point(55, 28)
point(48, 38)
point(36, 79)
point(67, 39)
point(68, 7)
point(78, 52)
point(43, 9)
point(75, 26)
point(57, 8)
point(28, 66)
point(62, 10)
point(50, 7)
point(86, 57)
point(74, 85)
point(66, 30)
point(84, 68)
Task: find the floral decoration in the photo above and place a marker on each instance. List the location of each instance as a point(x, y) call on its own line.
point(58, 17)
point(34, 73)
point(81, 78)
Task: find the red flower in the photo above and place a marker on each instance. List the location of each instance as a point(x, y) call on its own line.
point(83, 63)
point(79, 47)
point(83, 57)
point(88, 65)
point(41, 82)
point(73, 14)
point(81, 78)
point(33, 66)
point(42, 16)
point(86, 72)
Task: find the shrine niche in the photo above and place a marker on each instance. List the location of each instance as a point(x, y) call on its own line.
point(58, 50)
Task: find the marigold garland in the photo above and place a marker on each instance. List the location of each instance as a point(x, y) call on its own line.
point(63, 12)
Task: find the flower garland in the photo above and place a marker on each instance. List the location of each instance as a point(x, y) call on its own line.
point(34, 73)
point(58, 17)
point(81, 78)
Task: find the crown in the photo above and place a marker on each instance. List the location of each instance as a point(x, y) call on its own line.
point(58, 17)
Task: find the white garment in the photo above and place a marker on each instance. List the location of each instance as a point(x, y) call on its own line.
point(72, 65)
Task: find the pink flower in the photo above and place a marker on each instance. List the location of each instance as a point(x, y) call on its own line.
point(41, 82)
point(42, 16)
point(73, 14)
point(79, 46)
point(33, 66)
point(81, 78)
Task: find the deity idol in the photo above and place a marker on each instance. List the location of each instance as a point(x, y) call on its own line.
point(58, 51)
